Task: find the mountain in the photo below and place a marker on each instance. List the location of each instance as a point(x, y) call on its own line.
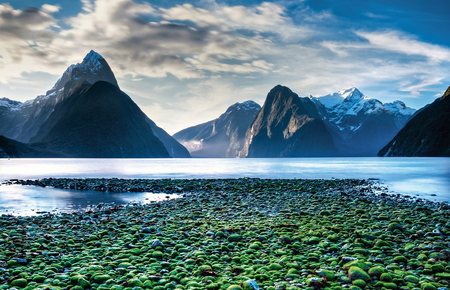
point(42, 120)
point(23, 123)
point(221, 137)
point(12, 149)
point(288, 126)
point(360, 125)
point(426, 134)
point(99, 121)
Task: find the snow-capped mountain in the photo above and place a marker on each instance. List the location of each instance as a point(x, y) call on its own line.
point(333, 99)
point(130, 133)
point(361, 125)
point(221, 137)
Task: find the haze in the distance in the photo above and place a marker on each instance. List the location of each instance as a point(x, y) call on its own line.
point(185, 63)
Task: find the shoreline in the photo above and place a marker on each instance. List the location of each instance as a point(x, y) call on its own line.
point(276, 233)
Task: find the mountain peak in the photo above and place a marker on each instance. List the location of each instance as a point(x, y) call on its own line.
point(246, 106)
point(280, 89)
point(93, 60)
point(351, 94)
point(92, 55)
point(92, 69)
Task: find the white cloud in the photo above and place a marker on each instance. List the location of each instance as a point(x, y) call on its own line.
point(266, 17)
point(405, 44)
point(194, 60)
point(50, 8)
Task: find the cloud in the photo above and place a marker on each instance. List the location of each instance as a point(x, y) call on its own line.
point(396, 41)
point(50, 8)
point(194, 60)
point(266, 17)
point(25, 36)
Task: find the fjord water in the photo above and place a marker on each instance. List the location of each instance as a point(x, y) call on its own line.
point(427, 178)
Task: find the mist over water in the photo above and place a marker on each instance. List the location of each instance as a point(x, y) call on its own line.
point(427, 178)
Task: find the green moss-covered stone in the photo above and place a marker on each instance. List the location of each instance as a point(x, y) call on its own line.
point(355, 273)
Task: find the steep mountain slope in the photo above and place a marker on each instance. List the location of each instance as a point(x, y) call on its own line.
point(25, 121)
point(173, 147)
point(13, 149)
point(288, 126)
point(221, 137)
point(426, 134)
point(361, 125)
point(99, 121)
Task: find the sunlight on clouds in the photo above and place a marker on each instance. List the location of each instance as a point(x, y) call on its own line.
point(194, 60)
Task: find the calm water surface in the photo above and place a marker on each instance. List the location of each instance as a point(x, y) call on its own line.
point(425, 177)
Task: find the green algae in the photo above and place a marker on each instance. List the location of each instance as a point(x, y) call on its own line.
point(232, 234)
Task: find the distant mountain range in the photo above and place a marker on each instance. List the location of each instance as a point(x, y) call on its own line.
point(86, 114)
point(360, 125)
point(221, 137)
point(345, 123)
point(426, 134)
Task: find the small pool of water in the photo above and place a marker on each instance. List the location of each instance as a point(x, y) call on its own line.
point(33, 200)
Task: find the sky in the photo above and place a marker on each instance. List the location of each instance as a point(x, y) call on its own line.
point(185, 62)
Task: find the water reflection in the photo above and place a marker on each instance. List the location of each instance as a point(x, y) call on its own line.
point(32, 200)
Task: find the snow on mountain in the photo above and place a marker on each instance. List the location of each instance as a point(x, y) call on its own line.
point(398, 107)
point(333, 99)
point(352, 102)
point(9, 104)
point(92, 69)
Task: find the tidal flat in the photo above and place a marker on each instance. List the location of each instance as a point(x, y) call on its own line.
point(232, 234)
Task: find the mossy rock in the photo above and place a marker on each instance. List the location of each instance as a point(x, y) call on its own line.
point(234, 237)
point(100, 278)
point(376, 271)
point(355, 273)
point(21, 282)
point(386, 277)
point(360, 283)
point(411, 279)
point(427, 286)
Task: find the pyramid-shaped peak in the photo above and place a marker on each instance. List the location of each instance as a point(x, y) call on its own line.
point(351, 93)
point(92, 56)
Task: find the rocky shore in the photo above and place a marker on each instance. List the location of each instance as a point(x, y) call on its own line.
point(232, 234)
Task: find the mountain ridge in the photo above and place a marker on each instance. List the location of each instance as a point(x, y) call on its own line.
point(220, 137)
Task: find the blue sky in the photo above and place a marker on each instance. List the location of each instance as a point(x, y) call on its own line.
point(194, 59)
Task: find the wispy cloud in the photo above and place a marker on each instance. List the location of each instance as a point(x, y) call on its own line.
point(396, 41)
point(209, 55)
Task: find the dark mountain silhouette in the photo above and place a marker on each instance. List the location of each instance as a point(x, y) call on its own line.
point(13, 149)
point(99, 121)
point(426, 134)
